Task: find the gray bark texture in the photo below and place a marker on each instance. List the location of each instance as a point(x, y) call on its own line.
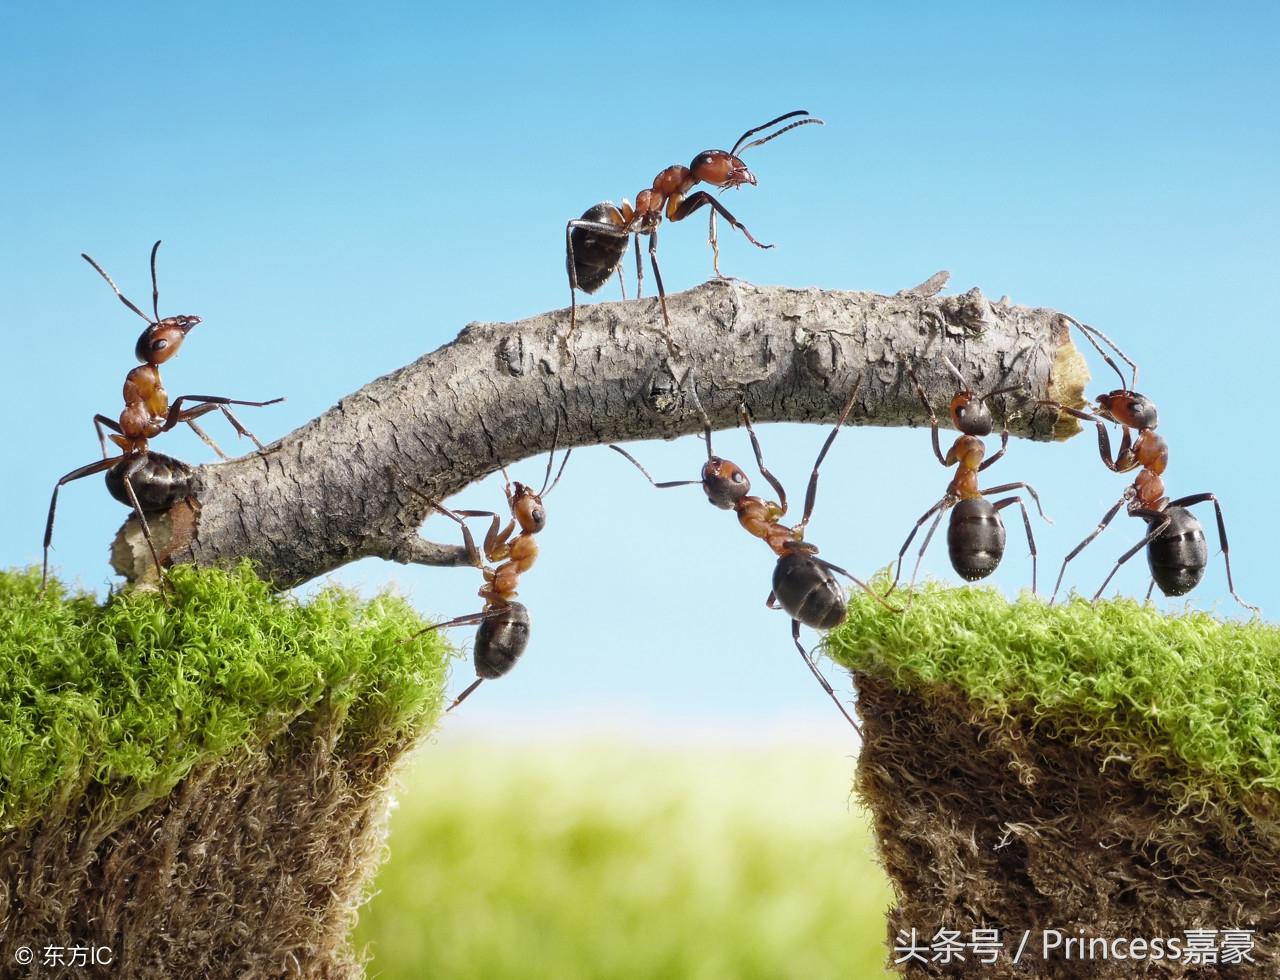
point(335, 490)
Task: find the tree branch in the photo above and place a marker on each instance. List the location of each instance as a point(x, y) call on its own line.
point(327, 494)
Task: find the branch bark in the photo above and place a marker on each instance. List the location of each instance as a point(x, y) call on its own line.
point(327, 493)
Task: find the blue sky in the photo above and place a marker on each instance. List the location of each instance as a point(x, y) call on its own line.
point(340, 190)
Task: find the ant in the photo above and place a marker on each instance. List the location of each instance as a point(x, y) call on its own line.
point(144, 480)
point(1177, 552)
point(596, 243)
point(975, 533)
point(504, 623)
point(803, 584)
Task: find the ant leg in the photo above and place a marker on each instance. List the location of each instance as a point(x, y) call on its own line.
point(1107, 519)
point(755, 444)
point(811, 494)
point(495, 544)
point(177, 414)
point(1004, 445)
point(1124, 459)
point(657, 275)
point(1018, 486)
point(661, 486)
point(694, 201)
point(1150, 588)
point(813, 668)
point(130, 469)
point(622, 283)
point(465, 694)
point(715, 245)
point(858, 582)
point(1199, 498)
point(95, 467)
point(923, 548)
point(471, 619)
point(1159, 529)
point(639, 269)
point(473, 553)
point(933, 418)
point(940, 505)
point(771, 600)
point(98, 422)
point(1026, 522)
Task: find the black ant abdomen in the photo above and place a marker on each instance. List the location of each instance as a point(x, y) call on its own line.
point(807, 590)
point(975, 539)
point(595, 256)
point(501, 640)
point(1179, 554)
point(159, 481)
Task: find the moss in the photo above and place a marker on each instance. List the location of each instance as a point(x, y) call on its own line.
point(1105, 770)
point(127, 697)
point(1187, 694)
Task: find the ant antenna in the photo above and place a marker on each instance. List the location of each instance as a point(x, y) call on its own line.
point(706, 422)
point(1089, 333)
point(739, 148)
point(965, 386)
point(111, 282)
point(155, 288)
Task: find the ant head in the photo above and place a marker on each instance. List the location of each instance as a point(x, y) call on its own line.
point(724, 482)
point(970, 414)
point(721, 169)
point(1128, 408)
point(527, 509)
point(161, 341)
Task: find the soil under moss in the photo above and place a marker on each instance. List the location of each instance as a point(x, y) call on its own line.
point(201, 787)
point(1086, 773)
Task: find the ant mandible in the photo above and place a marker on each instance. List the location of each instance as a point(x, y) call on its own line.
point(596, 243)
point(803, 584)
point(1177, 552)
point(975, 533)
point(504, 623)
point(144, 480)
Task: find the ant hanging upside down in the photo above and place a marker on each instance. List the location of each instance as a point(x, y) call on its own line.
point(975, 534)
point(147, 481)
point(504, 623)
point(596, 243)
point(803, 584)
point(1177, 553)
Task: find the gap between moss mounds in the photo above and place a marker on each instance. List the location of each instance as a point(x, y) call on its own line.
point(199, 790)
point(1096, 786)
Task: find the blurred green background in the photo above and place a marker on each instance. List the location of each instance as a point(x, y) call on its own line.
point(577, 859)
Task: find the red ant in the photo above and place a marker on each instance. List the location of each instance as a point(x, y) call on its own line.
point(596, 243)
point(803, 584)
point(504, 623)
point(147, 481)
point(975, 534)
point(1177, 552)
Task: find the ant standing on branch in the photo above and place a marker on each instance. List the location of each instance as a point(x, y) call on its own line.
point(1177, 553)
point(803, 584)
point(596, 243)
point(147, 481)
point(504, 623)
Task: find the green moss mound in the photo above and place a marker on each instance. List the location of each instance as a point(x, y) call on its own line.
point(127, 697)
point(1185, 694)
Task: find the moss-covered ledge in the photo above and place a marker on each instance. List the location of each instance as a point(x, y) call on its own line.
point(201, 788)
point(1101, 771)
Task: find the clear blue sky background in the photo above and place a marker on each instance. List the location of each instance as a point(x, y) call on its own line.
point(341, 189)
